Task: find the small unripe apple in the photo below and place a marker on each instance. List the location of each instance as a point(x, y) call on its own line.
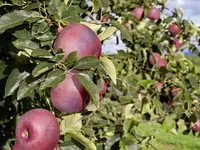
point(70, 96)
point(138, 13)
point(174, 29)
point(177, 43)
point(37, 129)
point(153, 14)
point(173, 103)
point(159, 85)
point(158, 60)
point(175, 90)
point(78, 37)
point(196, 126)
point(104, 18)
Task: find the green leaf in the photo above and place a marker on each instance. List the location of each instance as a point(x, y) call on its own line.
point(123, 30)
point(14, 80)
point(169, 123)
point(71, 122)
point(42, 68)
point(71, 59)
point(3, 67)
point(94, 27)
point(90, 87)
point(82, 139)
point(87, 62)
point(19, 2)
point(144, 83)
point(107, 33)
point(13, 19)
point(41, 53)
point(53, 78)
point(96, 5)
point(105, 3)
point(26, 88)
point(111, 141)
point(22, 34)
point(25, 44)
point(109, 68)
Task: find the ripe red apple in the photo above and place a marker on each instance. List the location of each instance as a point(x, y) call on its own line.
point(138, 13)
point(177, 43)
point(174, 29)
point(80, 38)
point(196, 126)
point(17, 146)
point(158, 61)
point(175, 90)
point(153, 14)
point(70, 96)
point(37, 129)
point(103, 88)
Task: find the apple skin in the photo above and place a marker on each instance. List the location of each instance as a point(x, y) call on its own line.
point(69, 96)
point(153, 14)
point(103, 88)
point(159, 62)
point(174, 29)
point(177, 44)
point(37, 129)
point(175, 90)
point(138, 13)
point(17, 146)
point(196, 126)
point(80, 38)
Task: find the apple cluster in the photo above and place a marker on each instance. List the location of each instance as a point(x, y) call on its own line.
point(156, 59)
point(70, 96)
point(38, 129)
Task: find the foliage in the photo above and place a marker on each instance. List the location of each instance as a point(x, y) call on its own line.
point(134, 114)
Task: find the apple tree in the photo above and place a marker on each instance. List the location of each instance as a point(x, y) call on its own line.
point(52, 60)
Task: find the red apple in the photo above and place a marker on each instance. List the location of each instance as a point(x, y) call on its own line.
point(37, 129)
point(17, 146)
point(159, 85)
point(174, 29)
point(104, 18)
point(196, 126)
point(80, 38)
point(173, 103)
point(70, 96)
point(153, 14)
point(103, 88)
point(177, 43)
point(138, 12)
point(158, 61)
point(151, 58)
point(175, 90)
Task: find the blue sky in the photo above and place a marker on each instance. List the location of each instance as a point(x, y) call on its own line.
point(191, 10)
